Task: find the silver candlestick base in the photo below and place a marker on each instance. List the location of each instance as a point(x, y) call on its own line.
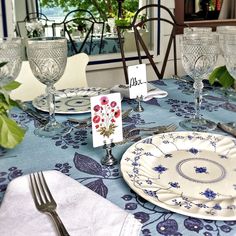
point(109, 159)
point(139, 107)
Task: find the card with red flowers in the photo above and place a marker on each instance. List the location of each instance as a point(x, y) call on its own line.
point(137, 81)
point(106, 119)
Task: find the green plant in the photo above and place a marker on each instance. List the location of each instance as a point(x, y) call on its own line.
point(10, 133)
point(100, 8)
point(222, 76)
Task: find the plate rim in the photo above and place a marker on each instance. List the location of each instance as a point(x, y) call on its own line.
point(42, 96)
point(177, 210)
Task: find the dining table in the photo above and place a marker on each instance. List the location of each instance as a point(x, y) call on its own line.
point(73, 155)
point(109, 45)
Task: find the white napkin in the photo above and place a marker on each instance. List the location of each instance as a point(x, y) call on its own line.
point(82, 211)
point(153, 92)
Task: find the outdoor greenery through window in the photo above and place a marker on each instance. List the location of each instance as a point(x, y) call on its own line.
point(101, 9)
point(106, 11)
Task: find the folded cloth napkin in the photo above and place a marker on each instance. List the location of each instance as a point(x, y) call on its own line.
point(82, 211)
point(153, 92)
point(228, 127)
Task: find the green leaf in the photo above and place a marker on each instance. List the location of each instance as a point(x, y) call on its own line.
point(3, 108)
point(5, 95)
point(12, 85)
point(222, 76)
point(11, 134)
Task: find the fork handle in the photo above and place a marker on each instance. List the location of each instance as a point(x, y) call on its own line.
point(60, 226)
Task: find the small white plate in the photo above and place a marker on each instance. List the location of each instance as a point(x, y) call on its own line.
point(70, 101)
point(191, 173)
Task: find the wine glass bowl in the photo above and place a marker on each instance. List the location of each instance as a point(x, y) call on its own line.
point(199, 53)
point(112, 24)
point(230, 53)
point(230, 59)
point(47, 58)
point(11, 54)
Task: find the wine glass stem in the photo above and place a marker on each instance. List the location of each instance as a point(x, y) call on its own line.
point(198, 86)
point(51, 102)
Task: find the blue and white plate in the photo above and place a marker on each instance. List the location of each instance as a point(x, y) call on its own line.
point(191, 173)
point(70, 101)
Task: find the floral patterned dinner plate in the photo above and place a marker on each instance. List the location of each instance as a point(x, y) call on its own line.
point(70, 101)
point(191, 173)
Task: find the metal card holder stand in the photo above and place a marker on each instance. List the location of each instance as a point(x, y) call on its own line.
point(139, 107)
point(109, 159)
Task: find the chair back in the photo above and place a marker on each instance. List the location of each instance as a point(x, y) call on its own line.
point(79, 26)
point(75, 72)
point(164, 15)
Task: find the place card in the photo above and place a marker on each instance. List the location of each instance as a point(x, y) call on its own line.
point(137, 81)
point(106, 119)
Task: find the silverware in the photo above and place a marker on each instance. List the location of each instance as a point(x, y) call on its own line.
point(77, 121)
point(44, 201)
point(37, 116)
point(228, 128)
point(154, 130)
point(129, 139)
point(126, 113)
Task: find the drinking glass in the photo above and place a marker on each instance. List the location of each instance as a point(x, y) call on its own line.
point(47, 58)
point(228, 93)
point(230, 56)
point(112, 24)
point(199, 53)
point(11, 53)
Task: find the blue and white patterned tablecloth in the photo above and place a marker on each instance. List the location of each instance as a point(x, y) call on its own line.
point(109, 45)
point(74, 155)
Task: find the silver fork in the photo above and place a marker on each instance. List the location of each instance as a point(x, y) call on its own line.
point(44, 201)
point(156, 130)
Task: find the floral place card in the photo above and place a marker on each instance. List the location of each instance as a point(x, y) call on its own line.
point(106, 119)
point(137, 81)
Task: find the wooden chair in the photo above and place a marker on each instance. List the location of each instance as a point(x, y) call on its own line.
point(74, 77)
point(163, 15)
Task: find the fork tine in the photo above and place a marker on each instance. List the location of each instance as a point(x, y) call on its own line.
point(42, 187)
point(42, 180)
point(32, 183)
point(37, 190)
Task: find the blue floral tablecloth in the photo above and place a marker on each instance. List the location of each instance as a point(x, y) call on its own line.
point(74, 155)
point(109, 45)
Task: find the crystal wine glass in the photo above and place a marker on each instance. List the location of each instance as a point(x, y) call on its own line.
point(230, 57)
point(47, 58)
point(228, 93)
point(199, 53)
point(191, 30)
point(11, 54)
point(112, 24)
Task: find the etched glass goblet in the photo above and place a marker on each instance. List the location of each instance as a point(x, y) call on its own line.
point(112, 24)
point(199, 53)
point(230, 57)
point(11, 54)
point(47, 58)
point(228, 93)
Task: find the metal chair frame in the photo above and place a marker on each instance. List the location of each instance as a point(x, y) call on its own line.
point(140, 42)
point(90, 18)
